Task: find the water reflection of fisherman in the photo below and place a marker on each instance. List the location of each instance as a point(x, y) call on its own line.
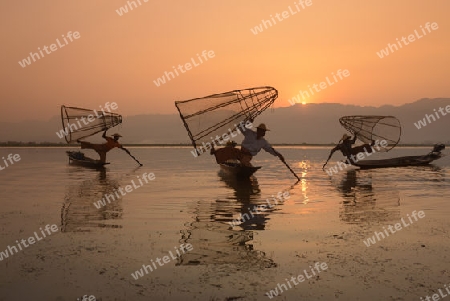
point(78, 212)
point(102, 149)
point(363, 203)
point(216, 242)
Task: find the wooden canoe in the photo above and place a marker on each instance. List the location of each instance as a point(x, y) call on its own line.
point(78, 158)
point(403, 161)
point(238, 170)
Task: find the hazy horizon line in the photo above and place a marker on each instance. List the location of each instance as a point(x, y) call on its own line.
point(49, 144)
point(288, 106)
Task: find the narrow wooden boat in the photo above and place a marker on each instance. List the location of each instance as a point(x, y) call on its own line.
point(403, 161)
point(238, 170)
point(78, 158)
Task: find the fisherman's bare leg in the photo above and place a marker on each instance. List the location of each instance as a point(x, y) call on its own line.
point(99, 148)
point(85, 144)
point(361, 149)
point(245, 157)
point(102, 156)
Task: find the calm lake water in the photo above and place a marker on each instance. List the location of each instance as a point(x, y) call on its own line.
point(325, 219)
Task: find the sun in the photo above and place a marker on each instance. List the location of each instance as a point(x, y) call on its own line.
point(303, 102)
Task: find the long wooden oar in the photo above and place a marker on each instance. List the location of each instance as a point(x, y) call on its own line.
point(128, 152)
point(290, 169)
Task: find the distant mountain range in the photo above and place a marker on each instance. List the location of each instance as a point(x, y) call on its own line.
point(297, 124)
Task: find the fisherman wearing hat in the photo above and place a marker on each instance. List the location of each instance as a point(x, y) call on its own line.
point(349, 151)
point(254, 142)
point(102, 149)
point(346, 145)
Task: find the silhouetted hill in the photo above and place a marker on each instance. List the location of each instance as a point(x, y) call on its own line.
point(311, 123)
point(319, 123)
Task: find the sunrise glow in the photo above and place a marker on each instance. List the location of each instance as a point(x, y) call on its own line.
point(76, 61)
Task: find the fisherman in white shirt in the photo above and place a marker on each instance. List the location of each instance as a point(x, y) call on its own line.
point(254, 142)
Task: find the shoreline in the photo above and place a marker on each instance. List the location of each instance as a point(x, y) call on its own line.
point(43, 145)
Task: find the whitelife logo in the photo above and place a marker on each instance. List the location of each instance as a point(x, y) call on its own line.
point(406, 41)
point(49, 49)
point(341, 74)
point(182, 249)
point(169, 75)
point(48, 230)
point(11, 158)
point(319, 267)
point(265, 24)
point(398, 226)
point(430, 118)
point(124, 9)
point(72, 127)
point(360, 156)
point(225, 137)
point(258, 209)
point(128, 188)
point(436, 296)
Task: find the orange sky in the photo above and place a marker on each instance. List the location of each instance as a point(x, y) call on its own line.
point(117, 58)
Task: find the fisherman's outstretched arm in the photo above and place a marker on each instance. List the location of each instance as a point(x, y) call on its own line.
point(268, 148)
point(337, 147)
point(331, 154)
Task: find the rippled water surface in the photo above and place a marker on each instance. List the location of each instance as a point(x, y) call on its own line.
point(325, 219)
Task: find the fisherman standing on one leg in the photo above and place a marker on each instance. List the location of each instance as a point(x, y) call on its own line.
point(102, 149)
point(348, 151)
